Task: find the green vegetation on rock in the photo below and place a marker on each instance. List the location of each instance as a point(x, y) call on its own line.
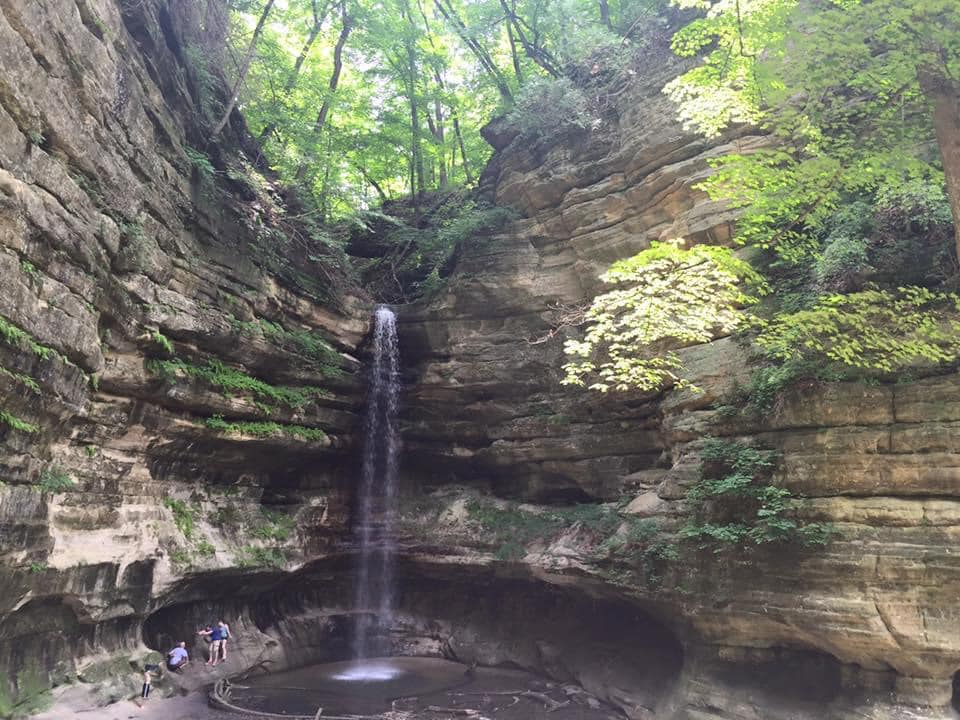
point(735, 504)
point(264, 429)
point(512, 527)
point(256, 556)
point(664, 296)
point(30, 694)
point(415, 245)
point(24, 380)
point(17, 337)
point(308, 344)
point(53, 479)
point(882, 330)
point(218, 375)
point(274, 526)
point(184, 515)
point(12, 421)
point(162, 342)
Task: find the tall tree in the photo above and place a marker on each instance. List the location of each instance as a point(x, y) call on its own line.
point(531, 40)
point(337, 103)
point(319, 16)
point(482, 55)
point(346, 25)
point(243, 70)
point(605, 15)
point(856, 91)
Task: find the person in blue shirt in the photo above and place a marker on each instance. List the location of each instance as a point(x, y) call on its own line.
point(178, 657)
point(216, 639)
point(224, 636)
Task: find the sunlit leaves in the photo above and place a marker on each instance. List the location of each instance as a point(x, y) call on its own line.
point(664, 298)
point(882, 330)
point(727, 86)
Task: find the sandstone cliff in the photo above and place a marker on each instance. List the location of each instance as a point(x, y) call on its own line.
point(180, 390)
point(177, 390)
point(866, 626)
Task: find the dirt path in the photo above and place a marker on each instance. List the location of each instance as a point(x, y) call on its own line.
point(189, 707)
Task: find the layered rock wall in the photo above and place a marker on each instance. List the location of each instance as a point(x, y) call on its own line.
point(177, 386)
point(487, 411)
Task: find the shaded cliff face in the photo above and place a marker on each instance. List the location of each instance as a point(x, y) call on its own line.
point(487, 412)
point(148, 288)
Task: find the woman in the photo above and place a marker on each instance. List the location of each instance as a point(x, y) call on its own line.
point(224, 636)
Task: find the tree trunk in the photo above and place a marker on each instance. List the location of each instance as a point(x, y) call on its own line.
point(334, 81)
point(483, 57)
point(463, 150)
point(244, 69)
point(944, 95)
point(439, 132)
point(325, 191)
point(513, 54)
point(415, 147)
point(539, 54)
point(318, 18)
point(605, 14)
point(441, 141)
point(373, 183)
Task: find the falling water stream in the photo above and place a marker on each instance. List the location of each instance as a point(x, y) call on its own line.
point(373, 599)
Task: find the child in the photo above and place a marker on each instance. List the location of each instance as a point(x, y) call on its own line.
point(145, 690)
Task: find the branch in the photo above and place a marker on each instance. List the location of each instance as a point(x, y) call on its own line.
point(567, 316)
point(244, 69)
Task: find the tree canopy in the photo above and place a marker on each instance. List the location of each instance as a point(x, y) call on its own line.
point(860, 100)
point(860, 95)
point(361, 101)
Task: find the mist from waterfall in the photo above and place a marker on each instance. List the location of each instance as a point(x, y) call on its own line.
point(373, 527)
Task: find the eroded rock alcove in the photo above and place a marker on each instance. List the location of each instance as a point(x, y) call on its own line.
point(119, 260)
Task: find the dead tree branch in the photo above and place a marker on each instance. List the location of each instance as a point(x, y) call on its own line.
point(564, 316)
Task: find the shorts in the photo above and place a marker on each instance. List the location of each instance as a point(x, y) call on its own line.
point(215, 648)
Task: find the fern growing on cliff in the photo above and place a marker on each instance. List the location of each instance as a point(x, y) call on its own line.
point(12, 421)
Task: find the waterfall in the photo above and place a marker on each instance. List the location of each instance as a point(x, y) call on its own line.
point(378, 487)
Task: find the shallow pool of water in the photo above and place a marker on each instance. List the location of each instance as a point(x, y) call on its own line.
point(410, 685)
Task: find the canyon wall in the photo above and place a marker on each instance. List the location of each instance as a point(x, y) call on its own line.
point(180, 393)
point(178, 389)
point(487, 413)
